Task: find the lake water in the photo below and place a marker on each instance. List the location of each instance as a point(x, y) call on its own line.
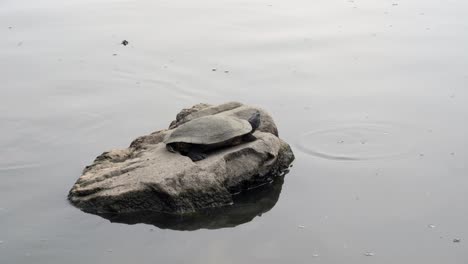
point(370, 94)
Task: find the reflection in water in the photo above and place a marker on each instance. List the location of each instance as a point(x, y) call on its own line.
point(246, 206)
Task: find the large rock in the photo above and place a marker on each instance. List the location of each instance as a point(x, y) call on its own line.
point(146, 176)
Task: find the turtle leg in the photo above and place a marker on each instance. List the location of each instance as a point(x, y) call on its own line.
point(170, 148)
point(248, 138)
point(196, 155)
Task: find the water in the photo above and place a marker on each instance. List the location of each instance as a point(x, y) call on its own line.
point(391, 74)
point(358, 142)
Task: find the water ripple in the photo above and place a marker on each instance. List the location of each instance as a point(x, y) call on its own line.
point(359, 141)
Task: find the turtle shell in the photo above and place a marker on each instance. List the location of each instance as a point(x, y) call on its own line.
point(209, 130)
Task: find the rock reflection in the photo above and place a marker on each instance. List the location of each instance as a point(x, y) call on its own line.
point(247, 205)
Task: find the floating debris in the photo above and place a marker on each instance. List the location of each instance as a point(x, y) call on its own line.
point(301, 226)
point(431, 226)
point(368, 254)
point(214, 69)
point(124, 42)
point(315, 255)
point(226, 71)
point(115, 54)
point(456, 240)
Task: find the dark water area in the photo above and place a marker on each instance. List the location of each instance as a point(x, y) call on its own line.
point(370, 94)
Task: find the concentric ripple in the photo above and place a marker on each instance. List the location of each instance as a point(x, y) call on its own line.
point(362, 141)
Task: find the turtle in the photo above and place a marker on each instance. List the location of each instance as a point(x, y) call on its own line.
point(198, 136)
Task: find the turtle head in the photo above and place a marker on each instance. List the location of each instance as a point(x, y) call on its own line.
point(254, 120)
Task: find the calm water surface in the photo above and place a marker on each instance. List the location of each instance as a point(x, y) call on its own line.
point(371, 95)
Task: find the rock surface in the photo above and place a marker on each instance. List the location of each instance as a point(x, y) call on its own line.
point(146, 176)
point(246, 206)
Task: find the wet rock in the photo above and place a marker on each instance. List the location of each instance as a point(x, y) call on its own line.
point(246, 206)
point(147, 177)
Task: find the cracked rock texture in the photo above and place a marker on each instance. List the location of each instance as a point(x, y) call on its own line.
point(146, 176)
